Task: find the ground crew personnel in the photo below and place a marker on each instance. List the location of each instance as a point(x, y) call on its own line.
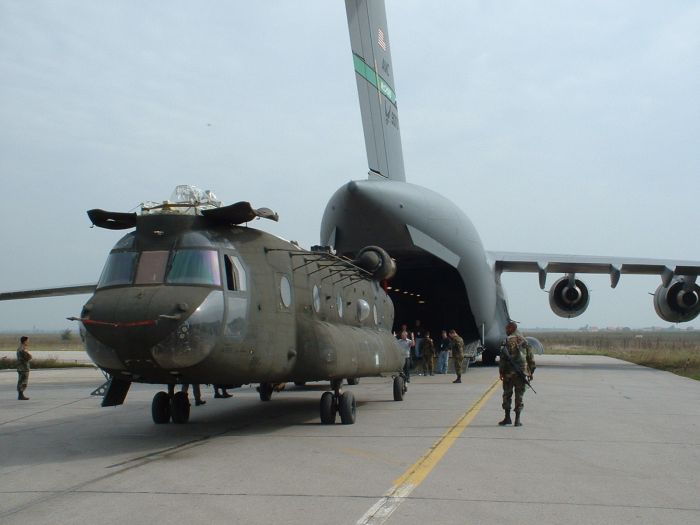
point(428, 350)
point(457, 349)
point(521, 355)
point(405, 344)
point(23, 358)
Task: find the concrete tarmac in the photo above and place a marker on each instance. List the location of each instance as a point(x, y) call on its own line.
point(603, 441)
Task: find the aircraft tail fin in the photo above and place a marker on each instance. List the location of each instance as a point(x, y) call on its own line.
point(371, 55)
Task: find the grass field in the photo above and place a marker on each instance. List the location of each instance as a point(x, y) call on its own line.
point(49, 342)
point(676, 351)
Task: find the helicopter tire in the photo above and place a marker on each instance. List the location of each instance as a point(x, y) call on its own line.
point(353, 380)
point(180, 408)
point(399, 388)
point(160, 408)
point(347, 408)
point(328, 408)
point(265, 391)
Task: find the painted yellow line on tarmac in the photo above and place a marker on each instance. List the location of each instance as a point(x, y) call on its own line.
point(417, 472)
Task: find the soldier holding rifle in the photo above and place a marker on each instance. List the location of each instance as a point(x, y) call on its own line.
point(516, 366)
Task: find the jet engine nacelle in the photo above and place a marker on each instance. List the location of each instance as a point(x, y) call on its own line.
point(377, 262)
point(568, 297)
point(678, 302)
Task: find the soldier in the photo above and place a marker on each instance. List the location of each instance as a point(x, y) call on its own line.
point(405, 344)
point(457, 349)
point(23, 358)
point(428, 350)
point(444, 353)
point(521, 356)
point(196, 392)
point(223, 393)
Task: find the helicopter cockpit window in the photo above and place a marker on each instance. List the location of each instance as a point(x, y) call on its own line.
point(118, 270)
point(235, 274)
point(194, 267)
point(125, 242)
point(151, 267)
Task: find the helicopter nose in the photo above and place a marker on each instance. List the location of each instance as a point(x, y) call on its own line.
point(167, 327)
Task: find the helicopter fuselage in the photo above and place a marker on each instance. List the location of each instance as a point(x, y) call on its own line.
point(183, 301)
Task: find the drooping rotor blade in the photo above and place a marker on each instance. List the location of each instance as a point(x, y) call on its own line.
point(238, 213)
point(112, 220)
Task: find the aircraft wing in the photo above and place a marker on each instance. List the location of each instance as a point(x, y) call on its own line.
point(49, 292)
point(544, 263)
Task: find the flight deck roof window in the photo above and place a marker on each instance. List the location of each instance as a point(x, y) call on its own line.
point(118, 270)
point(195, 267)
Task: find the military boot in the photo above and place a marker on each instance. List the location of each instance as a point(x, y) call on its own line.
point(22, 397)
point(506, 420)
point(517, 419)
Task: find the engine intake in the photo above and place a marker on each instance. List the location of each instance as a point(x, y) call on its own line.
point(377, 262)
point(568, 297)
point(679, 301)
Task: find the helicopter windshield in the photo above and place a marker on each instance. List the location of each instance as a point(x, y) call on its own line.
point(118, 270)
point(194, 267)
point(188, 266)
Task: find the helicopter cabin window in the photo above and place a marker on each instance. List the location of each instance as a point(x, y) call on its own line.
point(235, 274)
point(151, 267)
point(339, 305)
point(285, 291)
point(118, 270)
point(194, 267)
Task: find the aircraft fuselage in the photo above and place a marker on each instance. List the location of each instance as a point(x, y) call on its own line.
point(180, 301)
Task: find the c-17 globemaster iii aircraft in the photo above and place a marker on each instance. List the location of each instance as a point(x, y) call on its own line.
point(445, 277)
point(192, 296)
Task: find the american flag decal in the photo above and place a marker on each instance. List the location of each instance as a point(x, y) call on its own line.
point(380, 39)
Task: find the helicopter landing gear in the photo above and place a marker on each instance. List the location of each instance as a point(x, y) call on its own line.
point(180, 408)
point(265, 391)
point(400, 387)
point(160, 408)
point(166, 406)
point(332, 402)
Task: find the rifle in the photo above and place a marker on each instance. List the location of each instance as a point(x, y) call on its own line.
point(505, 353)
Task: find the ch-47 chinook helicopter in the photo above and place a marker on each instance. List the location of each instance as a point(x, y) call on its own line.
point(192, 296)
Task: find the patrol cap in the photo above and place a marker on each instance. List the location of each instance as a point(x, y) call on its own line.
point(511, 327)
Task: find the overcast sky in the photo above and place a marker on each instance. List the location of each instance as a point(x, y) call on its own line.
point(559, 127)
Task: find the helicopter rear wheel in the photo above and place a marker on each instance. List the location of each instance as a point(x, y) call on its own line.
point(160, 408)
point(265, 391)
point(399, 388)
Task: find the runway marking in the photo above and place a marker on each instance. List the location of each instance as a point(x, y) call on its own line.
point(416, 473)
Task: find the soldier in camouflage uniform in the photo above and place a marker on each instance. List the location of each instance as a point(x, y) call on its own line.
point(428, 350)
point(520, 352)
point(23, 358)
point(457, 348)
